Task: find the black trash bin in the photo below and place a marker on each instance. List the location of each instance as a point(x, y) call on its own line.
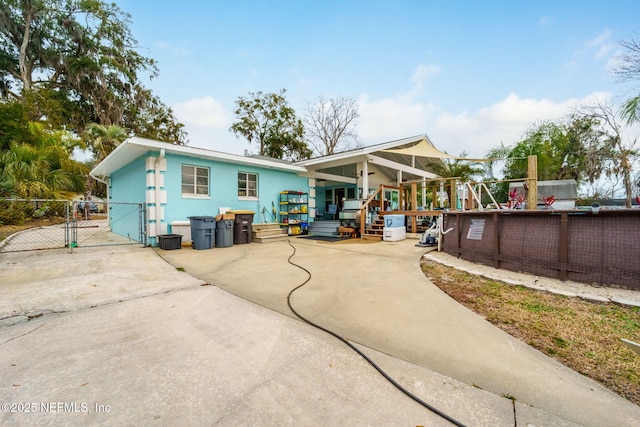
point(224, 233)
point(202, 231)
point(242, 227)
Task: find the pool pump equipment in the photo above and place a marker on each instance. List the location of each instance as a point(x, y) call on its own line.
point(432, 235)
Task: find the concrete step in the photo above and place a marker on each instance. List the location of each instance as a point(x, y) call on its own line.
point(324, 228)
point(265, 226)
point(270, 239)
point(367, 236)
point(325, 233)
point(268, 232)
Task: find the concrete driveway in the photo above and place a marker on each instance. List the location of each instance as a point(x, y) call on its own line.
point(119, 336)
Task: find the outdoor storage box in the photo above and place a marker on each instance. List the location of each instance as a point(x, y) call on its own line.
point(394, 221)
point(203, 231)
point(184, 229)
point(393, 234)
point(169, 241)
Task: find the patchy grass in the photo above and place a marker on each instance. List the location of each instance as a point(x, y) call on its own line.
point(583, 335)
point(8, 230)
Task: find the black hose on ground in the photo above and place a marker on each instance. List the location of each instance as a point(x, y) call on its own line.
point(357, 350)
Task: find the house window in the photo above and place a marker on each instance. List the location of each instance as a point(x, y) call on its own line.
point(195, 181)
point(247, 185)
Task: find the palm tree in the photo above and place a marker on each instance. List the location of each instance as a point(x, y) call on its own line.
point(459, 168)
point(102, 140)
point(41, 167)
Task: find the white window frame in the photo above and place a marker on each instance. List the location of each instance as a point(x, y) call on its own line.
point(246, 180)
point(193, 194)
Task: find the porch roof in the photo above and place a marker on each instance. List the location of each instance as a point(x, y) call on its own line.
point(415, 157)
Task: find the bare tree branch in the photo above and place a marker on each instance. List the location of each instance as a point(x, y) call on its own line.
point(331, 122)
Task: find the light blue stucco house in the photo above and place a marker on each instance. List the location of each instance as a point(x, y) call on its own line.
point(175, 182)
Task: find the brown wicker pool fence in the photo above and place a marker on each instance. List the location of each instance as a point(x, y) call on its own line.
point(580, 245)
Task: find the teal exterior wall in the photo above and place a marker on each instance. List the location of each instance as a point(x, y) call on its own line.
point(129, 184)
point(223, 189)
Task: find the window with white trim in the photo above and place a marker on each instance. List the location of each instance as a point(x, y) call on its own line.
point(247, 185)
point(195, 181)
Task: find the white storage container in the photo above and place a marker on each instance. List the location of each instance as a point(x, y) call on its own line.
point(394, 234)
point(183, 228)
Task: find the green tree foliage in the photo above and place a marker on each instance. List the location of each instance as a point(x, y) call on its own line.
point(568, 150)
point(464, 170)
point(267, 119)
point(617, 152)
point(586, 146)
point(41, 166)
point(102, 140)
point(75, 62)
point(13, 124)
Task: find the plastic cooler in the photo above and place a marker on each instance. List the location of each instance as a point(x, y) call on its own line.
point(394, 234)
point(394, 221)
point(202, 231)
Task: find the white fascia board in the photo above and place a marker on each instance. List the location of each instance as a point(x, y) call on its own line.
point(400, 167)
point(331, 177)
point(337, 162)
point(135, 146)
point(202, 153)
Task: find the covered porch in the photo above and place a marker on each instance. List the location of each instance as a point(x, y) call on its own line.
point(354, 187)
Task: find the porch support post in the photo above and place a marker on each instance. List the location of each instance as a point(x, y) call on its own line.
point(453, 205)
point(414, 206)
point(365, 179)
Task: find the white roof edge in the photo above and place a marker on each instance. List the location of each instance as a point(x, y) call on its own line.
point(217, 155)
point(153, 145)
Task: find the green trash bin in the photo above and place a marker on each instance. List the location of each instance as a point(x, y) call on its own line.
point(202, 231)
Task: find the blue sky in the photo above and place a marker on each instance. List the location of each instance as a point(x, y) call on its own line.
point(470, 74)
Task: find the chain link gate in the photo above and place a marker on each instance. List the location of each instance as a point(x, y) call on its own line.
point(107, 224)
point(56, 224)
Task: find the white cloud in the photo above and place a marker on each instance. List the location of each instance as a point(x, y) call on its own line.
point(601, 45)
point(204, 112)
point(475, 132)
point(207, 123)
point(390, 118)
point(423, 72)
point(503, 122)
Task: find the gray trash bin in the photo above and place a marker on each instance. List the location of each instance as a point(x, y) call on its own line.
point(202, 231)
point(224, 233)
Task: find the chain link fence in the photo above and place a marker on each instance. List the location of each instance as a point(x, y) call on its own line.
point(37, 224)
